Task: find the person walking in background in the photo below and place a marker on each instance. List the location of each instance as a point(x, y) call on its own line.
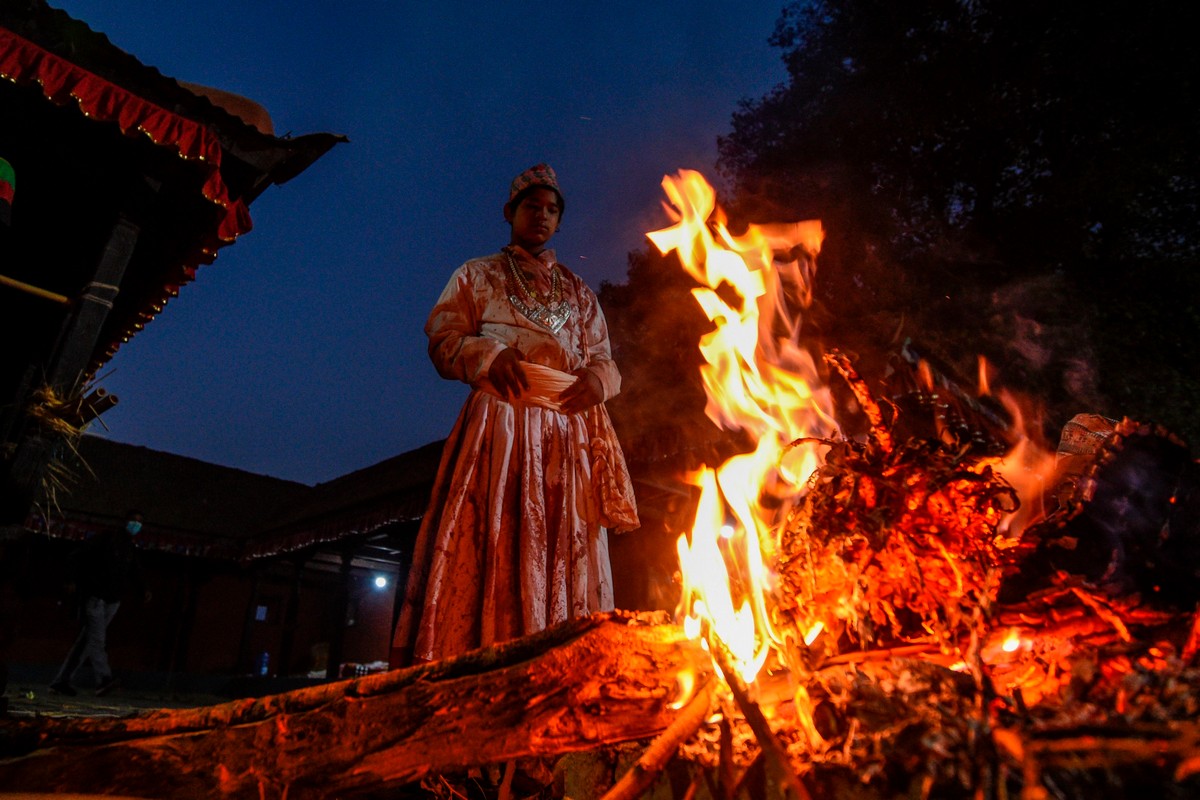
point(103, 571)
point(532, 476)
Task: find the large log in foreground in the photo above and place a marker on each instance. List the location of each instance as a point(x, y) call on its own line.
point(601, 680)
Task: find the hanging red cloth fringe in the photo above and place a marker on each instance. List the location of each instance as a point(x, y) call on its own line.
point(23, 62)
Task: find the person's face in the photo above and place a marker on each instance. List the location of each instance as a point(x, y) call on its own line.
point(535, 219)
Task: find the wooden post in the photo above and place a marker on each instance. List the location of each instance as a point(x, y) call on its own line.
point(175, 603)
point(75, 348)
point(245, 659)
point(403, 566)
point(291, 614)
point(337, 622)
point(78, 341)
point(195, 577)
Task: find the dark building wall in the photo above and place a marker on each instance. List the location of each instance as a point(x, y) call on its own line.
point(232, 601)
point(369, 638)
point(165, 636)
point(220, 617)
point(43, 616)
point(38, 610)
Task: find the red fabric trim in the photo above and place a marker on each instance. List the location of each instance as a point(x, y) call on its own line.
point(277, 544)
point(267, 546)
point(192, 545)
point(23, 62)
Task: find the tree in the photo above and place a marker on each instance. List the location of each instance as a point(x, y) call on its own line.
point(969, 155)
point(1014, 130)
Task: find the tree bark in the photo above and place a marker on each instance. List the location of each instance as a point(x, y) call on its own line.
point(600, 680)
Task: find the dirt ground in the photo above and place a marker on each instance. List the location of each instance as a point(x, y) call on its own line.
point(27, 698)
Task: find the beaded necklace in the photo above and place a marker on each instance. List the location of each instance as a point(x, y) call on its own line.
point(550, 312)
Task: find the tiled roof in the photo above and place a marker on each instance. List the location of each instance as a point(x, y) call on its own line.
point(393, 491)
point(193, 507)
point(190, 506)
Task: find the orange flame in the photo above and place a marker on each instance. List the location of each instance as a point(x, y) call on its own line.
point(1029, 467)
point(759, 379)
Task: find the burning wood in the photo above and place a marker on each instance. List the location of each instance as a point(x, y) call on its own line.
point(905, 544)
point(1065, 689)
point(892, 541)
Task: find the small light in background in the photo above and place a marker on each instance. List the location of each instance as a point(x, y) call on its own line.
point(380, 582)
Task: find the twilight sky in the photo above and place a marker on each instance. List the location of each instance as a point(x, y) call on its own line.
point(300, 352)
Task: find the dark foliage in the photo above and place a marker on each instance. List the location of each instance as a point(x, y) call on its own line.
point(1010, 133)
point(1009, 179)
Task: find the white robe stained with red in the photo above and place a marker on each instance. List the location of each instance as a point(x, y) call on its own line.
point(515, 538)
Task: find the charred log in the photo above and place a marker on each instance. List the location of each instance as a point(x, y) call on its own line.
point(1129, 522)
point(601, 680)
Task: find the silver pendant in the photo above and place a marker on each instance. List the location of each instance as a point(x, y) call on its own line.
point(552, 318)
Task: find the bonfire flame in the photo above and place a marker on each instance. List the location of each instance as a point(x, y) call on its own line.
point(893, 543)
point(899, 542)
point(758, 379)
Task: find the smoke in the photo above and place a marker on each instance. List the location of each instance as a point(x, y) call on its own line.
point(1042, 341)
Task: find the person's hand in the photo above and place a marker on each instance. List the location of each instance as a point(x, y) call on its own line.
point(506, 373)
point(147, 596)
point(584, 393)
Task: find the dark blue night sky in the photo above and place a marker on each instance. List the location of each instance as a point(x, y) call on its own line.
point(299, 353)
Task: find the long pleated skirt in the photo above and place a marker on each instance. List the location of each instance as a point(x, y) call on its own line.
point(512, 541)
